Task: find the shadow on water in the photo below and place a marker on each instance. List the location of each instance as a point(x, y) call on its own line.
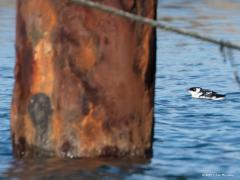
point(233, 97)
point(233, 94)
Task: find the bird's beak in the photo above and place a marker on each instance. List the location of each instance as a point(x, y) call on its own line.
point(189, 91)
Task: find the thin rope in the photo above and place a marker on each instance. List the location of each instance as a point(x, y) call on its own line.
point(156, 24)
point(231, 59)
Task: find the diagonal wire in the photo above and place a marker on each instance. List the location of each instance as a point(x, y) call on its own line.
point(154, 23)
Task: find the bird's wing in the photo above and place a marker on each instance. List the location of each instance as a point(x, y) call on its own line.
point(209, 93)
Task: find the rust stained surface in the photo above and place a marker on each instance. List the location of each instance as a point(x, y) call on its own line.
point(84, 80)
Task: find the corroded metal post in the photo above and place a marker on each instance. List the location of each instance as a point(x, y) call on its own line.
point(84, 80)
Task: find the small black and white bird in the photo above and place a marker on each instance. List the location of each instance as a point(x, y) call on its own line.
point(198, 92)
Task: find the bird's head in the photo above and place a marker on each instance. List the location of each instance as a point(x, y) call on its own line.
point(194, 90)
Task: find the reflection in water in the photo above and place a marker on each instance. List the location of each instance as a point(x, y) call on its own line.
point(75, 168)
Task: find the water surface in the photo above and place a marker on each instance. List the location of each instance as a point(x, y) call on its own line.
point(192, 139)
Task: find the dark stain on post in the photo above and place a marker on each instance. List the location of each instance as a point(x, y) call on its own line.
point(40, 111)
point(68, 37)
point(131, 136)
point(74, 69)
point(20, 147)
point(148, 153)
point(106, 40)
point(14, 145)
point(110, 151)
point(106, 126)
point(66, 147)
point(85, 105)
point(151, 69)
point(24, 52)
point(136, 68)
point(92, 92)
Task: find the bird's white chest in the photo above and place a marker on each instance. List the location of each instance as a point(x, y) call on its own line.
point(195, 94)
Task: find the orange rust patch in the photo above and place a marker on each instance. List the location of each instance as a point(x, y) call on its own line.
point(87, 56)
point(40, 20)
point(91, 133)
point(43, 74)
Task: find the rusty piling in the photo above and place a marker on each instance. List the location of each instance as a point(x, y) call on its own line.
point(84, 80)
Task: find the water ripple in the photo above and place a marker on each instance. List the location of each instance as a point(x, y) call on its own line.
point(191, 136)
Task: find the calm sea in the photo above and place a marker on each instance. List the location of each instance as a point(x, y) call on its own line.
point(194, 139)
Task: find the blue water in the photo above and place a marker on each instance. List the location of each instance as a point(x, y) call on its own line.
point(7, 56)
point(193, 139)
